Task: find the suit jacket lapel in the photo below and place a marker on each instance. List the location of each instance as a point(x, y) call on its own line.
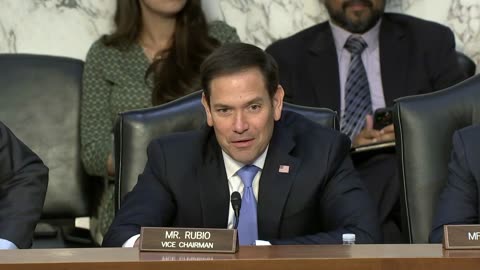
point(323, 65)
point(394, 51)
point(214, 192)
point(275, 186)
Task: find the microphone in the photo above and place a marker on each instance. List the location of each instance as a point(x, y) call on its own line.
point(236, 200)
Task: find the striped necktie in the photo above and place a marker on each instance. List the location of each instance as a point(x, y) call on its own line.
point(357, 91)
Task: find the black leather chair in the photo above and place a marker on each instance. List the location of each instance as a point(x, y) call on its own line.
point(40, 101)
point(135, 129)
point(424, 129)
point(466, 64)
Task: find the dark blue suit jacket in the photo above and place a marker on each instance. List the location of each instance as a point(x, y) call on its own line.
point(23, 185)
point(184, 184)
point(460, 199)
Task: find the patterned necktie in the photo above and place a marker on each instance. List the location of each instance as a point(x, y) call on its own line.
point(357, 92)
point(247, 225)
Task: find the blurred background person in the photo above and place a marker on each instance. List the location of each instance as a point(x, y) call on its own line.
point(361, 60)
point(152, 57)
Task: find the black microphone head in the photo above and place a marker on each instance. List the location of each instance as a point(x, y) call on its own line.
point(236, 200)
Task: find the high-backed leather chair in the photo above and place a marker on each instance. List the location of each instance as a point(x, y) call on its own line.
point(40, 101)
point(424, 129)
point(466, 64)
point(135, 129)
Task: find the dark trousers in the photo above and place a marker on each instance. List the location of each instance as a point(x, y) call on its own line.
point(379, 171)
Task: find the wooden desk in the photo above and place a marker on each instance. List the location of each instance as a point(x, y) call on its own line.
point(409, 257)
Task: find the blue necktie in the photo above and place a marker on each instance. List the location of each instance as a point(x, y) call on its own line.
point(247, 225)
point(357, 91)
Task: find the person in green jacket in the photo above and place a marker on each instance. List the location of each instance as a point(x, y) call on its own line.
point(151, 58)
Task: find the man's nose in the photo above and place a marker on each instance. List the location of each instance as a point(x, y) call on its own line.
point(240, 123)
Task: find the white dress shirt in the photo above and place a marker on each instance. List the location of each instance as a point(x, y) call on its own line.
point(234, 184)
point(5, 244)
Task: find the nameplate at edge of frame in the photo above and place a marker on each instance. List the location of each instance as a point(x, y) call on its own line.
point(461, 236)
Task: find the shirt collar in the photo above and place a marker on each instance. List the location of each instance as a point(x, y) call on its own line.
point(341, 35)
point(232, 166)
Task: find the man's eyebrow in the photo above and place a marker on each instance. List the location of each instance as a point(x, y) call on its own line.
point(255, 100)
point(220, 105)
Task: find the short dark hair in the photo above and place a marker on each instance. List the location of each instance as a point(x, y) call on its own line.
point(235, 57)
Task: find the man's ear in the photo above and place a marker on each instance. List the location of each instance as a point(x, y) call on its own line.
point(207, 110)
point(278, 102)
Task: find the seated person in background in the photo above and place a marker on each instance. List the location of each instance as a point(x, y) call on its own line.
point(459, 201)
point(23, 185)
point(361, 60)
point(168, 38)
point(300, 173)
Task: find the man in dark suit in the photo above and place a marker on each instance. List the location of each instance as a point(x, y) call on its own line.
point(400, 56)
point(23, 185)
point(306, 187)
point(459, 201)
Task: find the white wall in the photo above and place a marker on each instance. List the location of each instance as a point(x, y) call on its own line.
point(68, 27)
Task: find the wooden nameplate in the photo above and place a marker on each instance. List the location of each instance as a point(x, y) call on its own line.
point(461, 236)
point(204, 240)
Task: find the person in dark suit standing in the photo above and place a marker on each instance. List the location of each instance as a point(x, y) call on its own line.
point(459, 201)
point(23, 185)
point(360, 60)
point(297, 180)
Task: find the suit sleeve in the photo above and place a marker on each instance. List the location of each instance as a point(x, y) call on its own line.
point(149, 204)
point(345, 205)
point(23, 185)
point(444, 63)
point(458, 201)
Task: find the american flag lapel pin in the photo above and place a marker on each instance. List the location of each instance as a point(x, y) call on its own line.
point(284, 169)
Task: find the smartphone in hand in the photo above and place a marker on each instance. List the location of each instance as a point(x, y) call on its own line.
point(382, 117)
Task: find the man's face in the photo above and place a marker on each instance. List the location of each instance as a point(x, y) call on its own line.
point(355, 16)
point(242, 113)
